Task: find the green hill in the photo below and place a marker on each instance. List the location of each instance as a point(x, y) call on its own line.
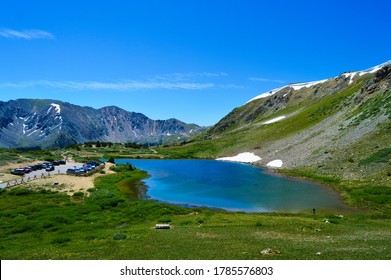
point(334, 130)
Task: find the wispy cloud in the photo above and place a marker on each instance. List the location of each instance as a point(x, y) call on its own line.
point(188, 76)
point(176, 81)
point(116, 86)
point(31, 34)
point(258, 79)
point(232, 86)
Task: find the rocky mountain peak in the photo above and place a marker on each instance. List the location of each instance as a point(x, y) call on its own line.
point(53, 123)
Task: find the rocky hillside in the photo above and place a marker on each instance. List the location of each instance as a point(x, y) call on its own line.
point(339, 125)
point(51, 123)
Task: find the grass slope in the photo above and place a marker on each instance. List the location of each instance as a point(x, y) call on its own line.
point(108, 225)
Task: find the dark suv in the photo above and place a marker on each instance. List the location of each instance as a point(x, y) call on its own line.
point(49, 168)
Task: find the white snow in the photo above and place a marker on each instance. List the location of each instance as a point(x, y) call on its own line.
point(267, 94)
point(242, 157)
point(297, 86)
point(57, 107)
point(350, 76)
point(32, 132)
point(275, 163)
point(371, 70)
point(274, 120)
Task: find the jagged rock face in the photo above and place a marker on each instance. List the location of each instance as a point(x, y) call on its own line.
point(51, 123)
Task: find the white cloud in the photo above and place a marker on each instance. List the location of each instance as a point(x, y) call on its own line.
point(117, 86)
point(258, 79)
point(232, 86)
point(188, 76)
point(26, 34)
point(187, 81)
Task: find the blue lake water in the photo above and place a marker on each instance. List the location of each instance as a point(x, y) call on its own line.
point(232, 186)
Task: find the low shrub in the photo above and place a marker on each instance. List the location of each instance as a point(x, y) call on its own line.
point(119, 236)
point(381, 156)
point(20, 192)
point(164, 219)
point(91, 237)
point(258, 224)
point(78, 194)
point(186, 222)
point(23, 228)
point(60, 240)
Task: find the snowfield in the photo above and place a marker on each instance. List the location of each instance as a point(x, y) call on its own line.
point(297, 86)
point(274, 120)
point(275, 163)
point(243, 157)
point(371, 70)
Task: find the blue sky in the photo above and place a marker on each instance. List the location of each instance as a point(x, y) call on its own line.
point(191, 60)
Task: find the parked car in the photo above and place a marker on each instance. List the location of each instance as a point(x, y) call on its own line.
point(49, 168)
point(62, 162)
point(46, 164)
point(88, 167)
point(80, 170)
point(93, 163)
point(39, 166)
point(33, 167)
point(71, 171)
point(18, 171)
point(27, 169)
point(55, 163)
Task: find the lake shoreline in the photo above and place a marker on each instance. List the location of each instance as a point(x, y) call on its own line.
point(171, 196)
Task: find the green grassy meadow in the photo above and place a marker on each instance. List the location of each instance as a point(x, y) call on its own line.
point(111, 224)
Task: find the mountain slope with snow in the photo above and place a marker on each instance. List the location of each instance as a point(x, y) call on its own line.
point(347, 75)
point(50, 123)
point(333, 124)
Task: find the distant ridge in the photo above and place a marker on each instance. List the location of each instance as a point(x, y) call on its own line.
point(55, 124)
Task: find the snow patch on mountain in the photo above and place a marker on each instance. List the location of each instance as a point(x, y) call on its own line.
point(275, 163)
point(56, 107)
point(267, 94)
point(274, 120)
point(297, 86)
point(243, 157)
point(371, 70)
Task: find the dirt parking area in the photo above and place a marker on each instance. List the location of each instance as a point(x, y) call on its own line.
point(59, 182)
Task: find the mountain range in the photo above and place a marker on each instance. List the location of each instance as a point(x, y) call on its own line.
point(57, 124)
point(340, 125)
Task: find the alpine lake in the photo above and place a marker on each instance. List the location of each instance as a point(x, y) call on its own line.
point(233, 186)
